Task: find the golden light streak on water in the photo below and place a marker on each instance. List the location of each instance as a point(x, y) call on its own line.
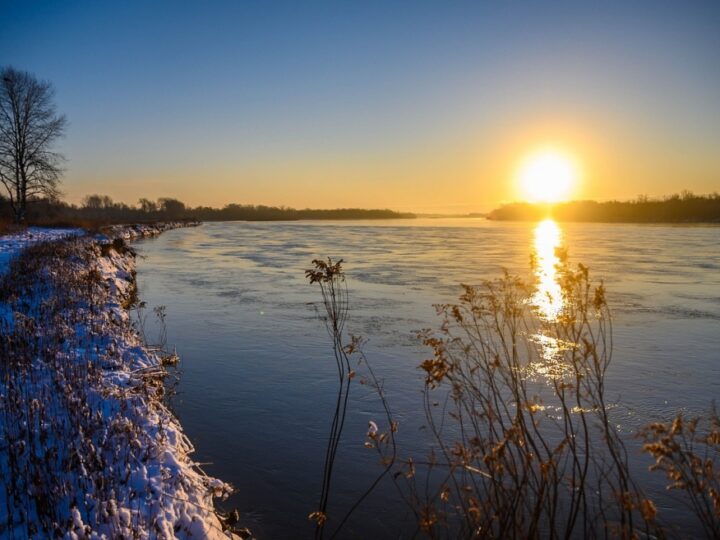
point(548, 297)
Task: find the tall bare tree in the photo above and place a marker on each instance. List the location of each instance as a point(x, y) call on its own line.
point(29, 126)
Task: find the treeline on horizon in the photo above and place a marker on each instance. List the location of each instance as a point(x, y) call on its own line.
point(685, 207)
point(101, 209)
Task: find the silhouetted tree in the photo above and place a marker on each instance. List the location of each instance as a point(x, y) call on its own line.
point(102, 209)
point(172, 207)
point(677, 208)
point(147, 206)
point(29, 126)
point(97, 202)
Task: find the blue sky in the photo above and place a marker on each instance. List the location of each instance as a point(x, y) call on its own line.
point(409, 105)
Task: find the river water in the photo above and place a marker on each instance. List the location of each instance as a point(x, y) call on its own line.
point(257, 377)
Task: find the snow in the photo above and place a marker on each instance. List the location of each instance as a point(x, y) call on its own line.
point(88, 447)
point(12, 244)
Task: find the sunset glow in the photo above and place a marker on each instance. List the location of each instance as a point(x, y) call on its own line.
point(547, 176)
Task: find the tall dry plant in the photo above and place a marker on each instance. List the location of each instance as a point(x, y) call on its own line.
point(524, 441)
point(333, 288)
point(687, 451)
point(515, 401)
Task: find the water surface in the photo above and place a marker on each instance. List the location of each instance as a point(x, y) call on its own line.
point(258, 379)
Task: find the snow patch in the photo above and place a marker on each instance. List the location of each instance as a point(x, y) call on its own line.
point(12, 244)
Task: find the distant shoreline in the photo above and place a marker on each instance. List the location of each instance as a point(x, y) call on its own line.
point(100, 210)
point(685, 208)
point(608, 222)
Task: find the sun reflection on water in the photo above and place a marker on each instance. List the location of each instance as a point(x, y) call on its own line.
point(548, 297)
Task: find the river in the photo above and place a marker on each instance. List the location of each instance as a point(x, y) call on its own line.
point(257, 378)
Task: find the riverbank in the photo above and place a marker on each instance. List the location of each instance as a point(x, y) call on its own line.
point(682, 208)
point(88, 447)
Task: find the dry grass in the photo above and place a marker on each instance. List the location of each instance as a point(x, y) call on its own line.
point(91, 225)
point(8, 227)
point(687, 452)
point(525, 445)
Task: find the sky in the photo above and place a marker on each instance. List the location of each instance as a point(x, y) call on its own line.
point(415, 106)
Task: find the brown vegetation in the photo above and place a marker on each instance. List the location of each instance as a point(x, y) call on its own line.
point(687, 452)
point(525, 443)
point(330, 277)
point(516, 403)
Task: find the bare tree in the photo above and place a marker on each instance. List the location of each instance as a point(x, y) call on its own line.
point(172, 207)
point(147, 206)
point(29, 126)
point(98, 202)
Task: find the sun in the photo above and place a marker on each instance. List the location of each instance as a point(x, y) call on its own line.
point(547, 176)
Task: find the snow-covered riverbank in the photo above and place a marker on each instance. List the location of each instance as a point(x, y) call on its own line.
point(12, 244)
point(88, 448)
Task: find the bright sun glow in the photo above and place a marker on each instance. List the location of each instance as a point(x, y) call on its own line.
point(547, 176)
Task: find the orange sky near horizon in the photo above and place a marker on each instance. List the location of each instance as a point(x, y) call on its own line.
point(457, 178)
